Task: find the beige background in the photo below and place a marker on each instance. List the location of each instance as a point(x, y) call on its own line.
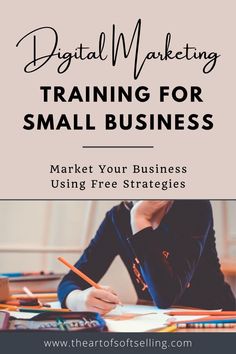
point(209, 155)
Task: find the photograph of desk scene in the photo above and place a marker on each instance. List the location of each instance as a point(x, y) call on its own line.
point(139, 266)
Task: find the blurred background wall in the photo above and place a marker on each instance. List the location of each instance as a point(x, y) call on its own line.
point(34, 233)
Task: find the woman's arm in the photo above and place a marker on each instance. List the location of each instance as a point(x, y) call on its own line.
point(94, 262)
point(168, 264)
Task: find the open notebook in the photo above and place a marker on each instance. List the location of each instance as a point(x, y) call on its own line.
point(133, 318)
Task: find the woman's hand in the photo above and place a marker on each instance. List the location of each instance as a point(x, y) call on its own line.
point(92, 299)
point(148, 213)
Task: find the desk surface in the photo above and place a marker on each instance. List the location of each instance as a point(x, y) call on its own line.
point(139, 318)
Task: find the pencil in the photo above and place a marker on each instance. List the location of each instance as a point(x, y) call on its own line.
point(202, 318)
point(201, 312)
point(170, 328)
point(51, 296)
point(82, 275)
point(16, 308)
point(79, 273)
point(8, 307)
point(23, 309)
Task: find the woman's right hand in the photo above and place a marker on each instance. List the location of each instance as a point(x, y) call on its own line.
point(96, 300)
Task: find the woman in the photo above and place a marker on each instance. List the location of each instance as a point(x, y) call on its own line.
point(168, 248)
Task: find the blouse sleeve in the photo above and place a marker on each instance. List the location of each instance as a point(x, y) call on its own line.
point(94, 261)
point(169, 255)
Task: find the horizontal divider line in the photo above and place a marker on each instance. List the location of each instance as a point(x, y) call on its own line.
point(118, 146)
